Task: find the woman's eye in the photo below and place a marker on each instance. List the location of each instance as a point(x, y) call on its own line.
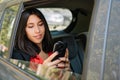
point(40, 24)
point(30, 26)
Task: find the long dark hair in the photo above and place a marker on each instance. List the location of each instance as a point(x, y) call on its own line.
point(23, 43)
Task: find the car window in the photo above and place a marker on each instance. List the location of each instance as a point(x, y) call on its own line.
point(5, 33)
point(45, 72)
point(0, 18)
point(57, 18)
point(6, 29)
point(0, 14)
point(112, 60)
point(1, 11)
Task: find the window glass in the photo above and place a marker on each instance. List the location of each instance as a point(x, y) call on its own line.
point(112, 61)
point(1, 11)
point(0, 19)
point(44, 72)
point(0, 15)
point(6, 29)
point(57, 18)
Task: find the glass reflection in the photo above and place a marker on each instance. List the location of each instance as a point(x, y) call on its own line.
point(44, 72)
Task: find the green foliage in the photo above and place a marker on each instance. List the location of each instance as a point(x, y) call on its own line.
point(7, 26)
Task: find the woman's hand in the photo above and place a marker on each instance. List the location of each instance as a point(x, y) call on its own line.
point(62, 62)
point(49, 62)
point(65, 63)
point(47, 65)
point(52, 67)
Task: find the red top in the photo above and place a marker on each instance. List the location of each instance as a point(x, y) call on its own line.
point(38, 59)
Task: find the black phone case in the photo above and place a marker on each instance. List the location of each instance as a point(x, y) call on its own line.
point(61, 48)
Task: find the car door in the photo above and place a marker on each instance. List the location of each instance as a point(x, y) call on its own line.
point(103, 50)
point(9, 71)
point(17, 69)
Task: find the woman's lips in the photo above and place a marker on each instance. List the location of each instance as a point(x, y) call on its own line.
point(38, 36)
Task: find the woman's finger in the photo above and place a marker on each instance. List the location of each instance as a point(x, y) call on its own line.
point(63, 65)
point(51, 57)
point(66, 53)
point(64, 59)
point(54, 62)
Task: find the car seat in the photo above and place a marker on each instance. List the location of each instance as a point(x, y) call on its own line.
point(76, 54)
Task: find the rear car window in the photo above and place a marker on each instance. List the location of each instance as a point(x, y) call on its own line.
point(57, 18)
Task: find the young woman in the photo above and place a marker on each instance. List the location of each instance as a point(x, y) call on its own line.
point(33, 41)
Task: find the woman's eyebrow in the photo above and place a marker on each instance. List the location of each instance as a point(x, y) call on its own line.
point(40, 21)
point(30, 24)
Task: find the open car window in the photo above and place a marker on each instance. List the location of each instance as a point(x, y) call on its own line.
point(57, 18)
point(10, 14)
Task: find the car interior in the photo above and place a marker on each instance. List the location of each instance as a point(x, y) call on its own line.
point(75, 35)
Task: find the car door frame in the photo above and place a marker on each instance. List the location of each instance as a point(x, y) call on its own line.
point(96, 42)
point(15, 26)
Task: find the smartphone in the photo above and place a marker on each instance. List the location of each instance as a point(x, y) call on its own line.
point(61, 48)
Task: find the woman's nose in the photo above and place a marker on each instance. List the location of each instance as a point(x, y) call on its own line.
point(37, 30)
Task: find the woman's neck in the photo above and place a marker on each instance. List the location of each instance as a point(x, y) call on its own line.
point(40, 46)
point(42, 53)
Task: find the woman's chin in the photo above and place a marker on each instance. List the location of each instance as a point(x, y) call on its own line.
point(37, 42)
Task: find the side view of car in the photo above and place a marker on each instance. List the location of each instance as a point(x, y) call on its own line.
point(89, 27)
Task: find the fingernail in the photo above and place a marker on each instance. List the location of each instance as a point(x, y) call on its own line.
point(56, 52)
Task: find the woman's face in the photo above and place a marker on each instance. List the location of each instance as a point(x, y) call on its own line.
point(35, 29)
